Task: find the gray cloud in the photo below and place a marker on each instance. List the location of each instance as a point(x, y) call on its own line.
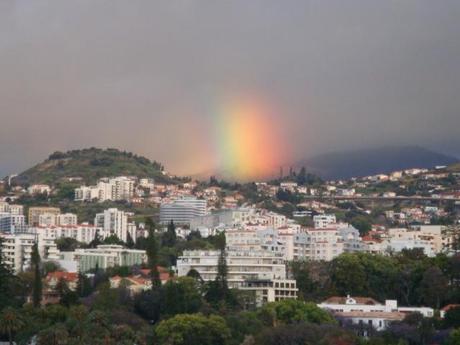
point(147, 75)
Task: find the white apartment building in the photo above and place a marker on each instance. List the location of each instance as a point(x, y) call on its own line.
point(324, 220)
point(67, 219)
point(17, 250)
point(182, 210)
point(84, 233)
point(105, 256)
point(115, 222)
point(276, 220)
point(39, 189)
point(10, 208)
point(51, 219)
point(242, 265)
point(325, 244)
point(117, 188)
point(147, 183)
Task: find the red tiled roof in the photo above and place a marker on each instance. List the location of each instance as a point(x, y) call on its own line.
point(450, 306)
point(67, 276)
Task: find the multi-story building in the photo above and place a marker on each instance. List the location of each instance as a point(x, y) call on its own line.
point(115, 222)
point(9, 208)
point(182, 210)
point(84, 233)
point(17, 250)
point(67, 219)
point(105, 256)
point(269, 290)
point(242, 265)
point(35, 212)
point(39, 189)
point(50, 219)
point(12, 223)
point(324, 220)
point(117, 188)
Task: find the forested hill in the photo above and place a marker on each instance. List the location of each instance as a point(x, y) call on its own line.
point(90, 165)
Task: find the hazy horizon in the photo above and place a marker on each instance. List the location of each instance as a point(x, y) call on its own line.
point(172, 80)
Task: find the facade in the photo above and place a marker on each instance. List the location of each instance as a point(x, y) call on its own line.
point(183, 210)
point(39, 189)
point(83, 233)
point(17, 250)
point(67, 219)
point(369, 314)
point(117, 188)
point(35, 212)
point(242, 265)
point(115, 222)
point(12, 223)
point(269, 290)
point(10, 208)
point(105, 256)
point(324, 220)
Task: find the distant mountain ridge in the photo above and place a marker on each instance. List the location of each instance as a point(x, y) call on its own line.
point(348, 164)
point(91, 164)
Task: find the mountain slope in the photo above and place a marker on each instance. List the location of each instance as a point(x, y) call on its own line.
point(91, 164)
point(343, 165)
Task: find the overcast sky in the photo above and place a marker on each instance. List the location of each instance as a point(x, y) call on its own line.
point(148, 76)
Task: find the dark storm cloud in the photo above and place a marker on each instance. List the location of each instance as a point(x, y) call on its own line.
point(143, 75)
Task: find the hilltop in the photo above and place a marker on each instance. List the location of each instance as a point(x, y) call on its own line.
point(344, 165)
point(90, 165)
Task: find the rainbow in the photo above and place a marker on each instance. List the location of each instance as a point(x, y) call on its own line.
point(250, 143)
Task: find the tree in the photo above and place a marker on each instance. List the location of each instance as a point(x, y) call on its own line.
point(348, 275)
point(129, 241)
point(452, 318)
point(10, 322)
point(218, 291)
point(96, 241)
point(294, 311)
point(152, 255)
point(6, 278)
point(362, 223)
point(181, 296)
point(169, 237)
point(67, 244)
point(193, 329)
point(434, 286)
point(83, 285)
point(306, 333)
point(454, 337)
point(37, 285)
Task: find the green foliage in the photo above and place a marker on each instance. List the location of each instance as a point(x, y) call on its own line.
point(305, 334)
point(362, 223)
point(294, 311)
point(92, 164)
point(452, 318)
point(193, 329)
point(10, 323)
point(67, 244)
point(37, 285)
point(454, 337)
point(169, 237)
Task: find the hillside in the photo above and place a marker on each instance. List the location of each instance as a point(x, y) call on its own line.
point(344, 165)
point(90, 165)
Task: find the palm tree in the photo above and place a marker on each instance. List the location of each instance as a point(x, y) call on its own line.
point(10, 322)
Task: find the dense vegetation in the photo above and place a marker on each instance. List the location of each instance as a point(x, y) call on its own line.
point(90, 165)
